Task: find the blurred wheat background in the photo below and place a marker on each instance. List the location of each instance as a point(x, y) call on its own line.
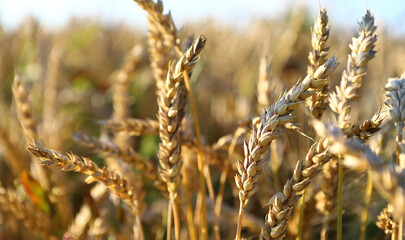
point(81, 75)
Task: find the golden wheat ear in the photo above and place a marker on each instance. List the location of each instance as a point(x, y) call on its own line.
point(24, 108)
point(319, 54)
point(282, 203)
point(362, 51)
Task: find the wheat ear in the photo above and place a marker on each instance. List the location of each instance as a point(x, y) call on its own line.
point(362, 51)
point(71, 162)
point(109, 149)
point(121, 84)
point(28, 123)
point(396, 104)
point(24, 109)
point(367, 128)
point(162, 37)
point(169, 149)
point(277, 115)
point(132, 126)
point(317, 104)
point(265, 85)
point(320, 34)
point(163, 26)
point(282, 203)
point(386, 221)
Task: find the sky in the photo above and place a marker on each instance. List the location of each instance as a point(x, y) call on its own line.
point(53, 14)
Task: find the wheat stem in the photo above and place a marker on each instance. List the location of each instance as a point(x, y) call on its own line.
point(274, 165)
point(189, 208)
point(203, 222)
point(240, 217)
point(301, 217)
point(176, 220)
point(339, 201)
point(139, 226)
point(224, 174)
point(169, 221)
point(364, 216)
point(212, 198)
point(220, 197)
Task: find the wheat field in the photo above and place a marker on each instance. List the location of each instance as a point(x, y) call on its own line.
point(280, 130)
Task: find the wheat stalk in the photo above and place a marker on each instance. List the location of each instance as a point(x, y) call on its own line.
point(165, 34)
point(169, 149)
point(362, 51)
point(168, 101)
